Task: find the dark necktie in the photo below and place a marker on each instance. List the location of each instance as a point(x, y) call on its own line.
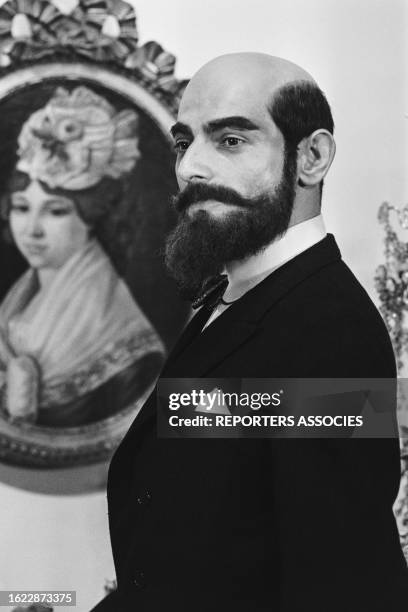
point(212, 292)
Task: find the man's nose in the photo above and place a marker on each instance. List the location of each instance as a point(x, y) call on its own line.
point(197, 162)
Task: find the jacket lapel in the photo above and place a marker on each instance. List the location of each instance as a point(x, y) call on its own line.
point(192, 329)
point(209, 347)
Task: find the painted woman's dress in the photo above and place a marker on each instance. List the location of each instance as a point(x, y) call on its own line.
point(86, 349)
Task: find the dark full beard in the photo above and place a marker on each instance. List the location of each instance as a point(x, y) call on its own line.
point(200, 246)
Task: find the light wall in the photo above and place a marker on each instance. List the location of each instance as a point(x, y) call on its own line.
point(355, 50)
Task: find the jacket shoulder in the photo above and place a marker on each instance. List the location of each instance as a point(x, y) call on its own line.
point(330, 326)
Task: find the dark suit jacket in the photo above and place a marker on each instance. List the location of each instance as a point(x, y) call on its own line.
point(259, 524)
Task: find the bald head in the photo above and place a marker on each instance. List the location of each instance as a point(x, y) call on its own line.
point(252, 67)
point(242, 74)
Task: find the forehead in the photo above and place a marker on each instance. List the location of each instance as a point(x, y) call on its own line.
point(212, 96)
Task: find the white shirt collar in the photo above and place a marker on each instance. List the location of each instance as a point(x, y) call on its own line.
point(297, 239)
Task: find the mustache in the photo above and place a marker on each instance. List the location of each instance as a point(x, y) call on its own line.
point(201, 192)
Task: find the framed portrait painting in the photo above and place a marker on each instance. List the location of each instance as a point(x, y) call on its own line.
point(87, 312)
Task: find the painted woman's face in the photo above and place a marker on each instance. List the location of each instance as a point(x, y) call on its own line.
point(46, 228)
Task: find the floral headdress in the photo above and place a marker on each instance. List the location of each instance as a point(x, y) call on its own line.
point(77, 139)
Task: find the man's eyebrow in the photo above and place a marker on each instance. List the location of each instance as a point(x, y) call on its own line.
point(235, 121)
point(180, 128)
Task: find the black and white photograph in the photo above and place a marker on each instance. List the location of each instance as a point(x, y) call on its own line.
point(203, 253)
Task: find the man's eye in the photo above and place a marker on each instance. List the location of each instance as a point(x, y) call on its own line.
point(181, 145)
point(232, 141)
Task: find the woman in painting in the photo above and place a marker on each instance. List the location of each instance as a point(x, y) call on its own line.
point(74, 346)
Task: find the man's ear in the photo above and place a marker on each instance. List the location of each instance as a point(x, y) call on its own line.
point(316, 153)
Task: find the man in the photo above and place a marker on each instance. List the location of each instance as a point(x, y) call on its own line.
point(259, 524)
